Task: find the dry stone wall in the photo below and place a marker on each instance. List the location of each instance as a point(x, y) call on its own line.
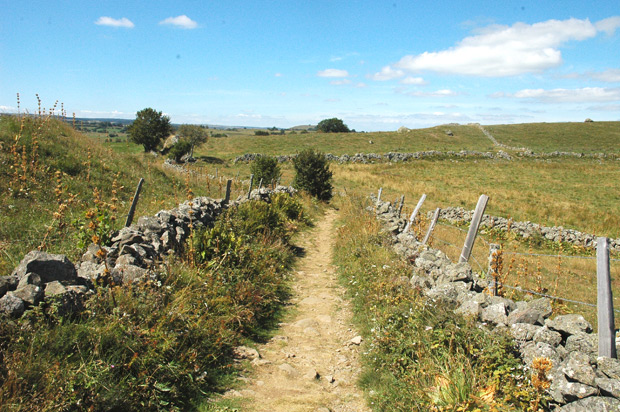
point(133, 256)
point(580, 379)
point(458, 215)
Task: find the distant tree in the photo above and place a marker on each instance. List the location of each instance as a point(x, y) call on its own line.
point(312, 174)
point(332, 125)
point(195, 135)
point(261, 133)
point(180, 149)
point(149, 128)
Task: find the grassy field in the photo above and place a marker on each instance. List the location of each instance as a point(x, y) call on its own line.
point(595, 137)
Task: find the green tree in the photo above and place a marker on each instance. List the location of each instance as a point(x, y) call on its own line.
point(312, 174)
point(332, 125)
point(179, 150)
point(266, 168)
point(149, 128)
point(195, 135)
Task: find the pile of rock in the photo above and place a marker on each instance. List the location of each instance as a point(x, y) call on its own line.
point(132, 256)
point(458, 215)
point(580, 380)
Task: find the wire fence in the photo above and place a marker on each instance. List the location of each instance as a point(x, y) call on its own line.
point(486, 283)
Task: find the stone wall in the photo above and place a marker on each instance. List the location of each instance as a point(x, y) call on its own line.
point(580, 379)
point(458, 215)
point(133, 256)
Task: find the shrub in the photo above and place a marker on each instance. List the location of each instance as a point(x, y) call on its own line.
point(261, 133)
point(265, 168)
point(180, 149)
point(312, 174)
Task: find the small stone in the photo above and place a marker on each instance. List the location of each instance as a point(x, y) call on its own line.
point(609, 386)
point(312, 374)
point(244, 352)
point(356, 340)
point(594, 403)
point(330, 379)
point(12, 305)
point(288, 370)
point(609, 366)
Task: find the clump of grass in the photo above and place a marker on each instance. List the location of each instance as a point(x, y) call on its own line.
point(420, 355)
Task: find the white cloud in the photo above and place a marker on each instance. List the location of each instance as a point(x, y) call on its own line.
point(8, 109)
point(586, 94)
point(413, 80)
point(609, 75)
point(182, 21)
point(109, 21)
point(608, 25)
point(340, 82)
point(361, 85)
point(615, 108)
point(333, 73)
point(278, 75)
point(499, 51)
point(387, 73)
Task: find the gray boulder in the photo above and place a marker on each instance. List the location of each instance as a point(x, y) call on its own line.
point(523, 332)
point(30, 294)
point(495, 313)
point(583, 342)
point(563, 391)
point(569, 324)
point(548, 336)
point(48, 266)
point(542, 305)
point(8, 283)
point(577, 368)
point(596, 403)
point(609, 387)
point(609, 366)
point(12, 305)
point(531, 350)
point(123, 274)
point(526, 315)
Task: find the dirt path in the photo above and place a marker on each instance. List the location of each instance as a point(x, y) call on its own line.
point(312, 364)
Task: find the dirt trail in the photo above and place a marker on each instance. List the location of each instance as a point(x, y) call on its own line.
point(315, 340)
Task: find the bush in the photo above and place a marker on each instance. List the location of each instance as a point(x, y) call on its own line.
point(312, 174)
point(180, 149)
point(261, 133)
point(265, 168)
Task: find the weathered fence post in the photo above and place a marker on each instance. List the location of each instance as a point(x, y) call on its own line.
point(473, 228)
point(415, 212)
point(260, 183)
point(251, 184)
point(227, 198)
point(216, 172)
point(606, 331)
point(432, 226)
point(379, 194)
point(134, 204)
point(400, 206)
point(494, 256)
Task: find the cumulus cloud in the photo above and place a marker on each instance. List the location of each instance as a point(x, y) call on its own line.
point(500, 51)
point(109, 21)
point(333, 73)
point(388, 73)
point(181, 21)
point(585, 94)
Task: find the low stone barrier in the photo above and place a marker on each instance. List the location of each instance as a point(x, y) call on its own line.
point(458, 215)
point(580, 379)
point(132, 256)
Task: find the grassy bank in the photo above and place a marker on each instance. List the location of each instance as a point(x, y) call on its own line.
point(418, 354)
point(164, 343)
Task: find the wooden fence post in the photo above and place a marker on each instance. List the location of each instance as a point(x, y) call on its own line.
point(432, 226)
point(606, 330)
point(260, 183)
point(134, 204)
point(473, 228)
point(227, 198)
point(379, 194)
point(415, 212)
point(400, 206)
point(251, 184)
point(493, 266)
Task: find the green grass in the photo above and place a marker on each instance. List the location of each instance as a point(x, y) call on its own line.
point(596, 137)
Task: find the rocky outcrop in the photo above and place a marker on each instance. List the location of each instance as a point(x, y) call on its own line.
point(580, 379)
point(133, 256)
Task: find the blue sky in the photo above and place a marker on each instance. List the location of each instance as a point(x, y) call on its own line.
point(377, 65)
